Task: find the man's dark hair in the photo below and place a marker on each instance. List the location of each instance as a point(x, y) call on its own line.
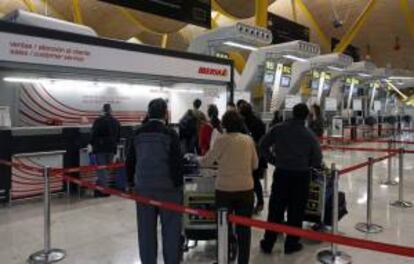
point(246, 110)
point(240, 103)
point(233, 122)
point(157, 108)
point(107, 109)
point(231, 104)
point(213, 113)
point(300, 111)
point(197, 103)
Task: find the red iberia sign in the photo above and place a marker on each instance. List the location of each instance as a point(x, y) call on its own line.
point(212, 71)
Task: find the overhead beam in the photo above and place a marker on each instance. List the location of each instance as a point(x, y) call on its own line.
point(261, 13)
point(408, 15)
point(77, 12)
point(30, 5)
point(294, 13)
point(54, 11)
point(325, 42)
point(214, 20)
point(353, 31)
point(216, 6)
point(164, 41)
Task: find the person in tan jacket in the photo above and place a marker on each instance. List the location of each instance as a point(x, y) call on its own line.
point(236, 157)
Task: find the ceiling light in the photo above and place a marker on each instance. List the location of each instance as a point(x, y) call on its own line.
point(296, 58)
point(239, 45)
point(400, 78)
point(67, 82)
point(334, 68)
point(191, 91)
point(22, 80)
point(364, 74)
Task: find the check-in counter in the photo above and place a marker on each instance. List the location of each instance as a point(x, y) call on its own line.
point(38, 147)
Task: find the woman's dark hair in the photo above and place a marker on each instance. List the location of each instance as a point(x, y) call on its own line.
point(317, 111)
point(157, 108)
point(213, 113)
point(233, 122)
point(276, 118)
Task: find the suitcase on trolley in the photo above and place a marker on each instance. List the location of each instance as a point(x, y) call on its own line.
point(199, 193)
point(319, 205)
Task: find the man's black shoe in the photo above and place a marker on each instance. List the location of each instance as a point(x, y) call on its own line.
point(99, 194)
point(293, 248)
point(265, 247)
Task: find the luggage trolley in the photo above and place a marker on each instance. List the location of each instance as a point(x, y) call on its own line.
point(319, 206)
point(199, 193)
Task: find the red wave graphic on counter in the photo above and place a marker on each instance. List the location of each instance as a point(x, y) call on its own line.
point(29, 183)
point(38, 107)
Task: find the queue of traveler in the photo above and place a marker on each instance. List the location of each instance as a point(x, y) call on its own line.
point(240, 148)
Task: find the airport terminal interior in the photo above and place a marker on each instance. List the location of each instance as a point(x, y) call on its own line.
point(163, 131)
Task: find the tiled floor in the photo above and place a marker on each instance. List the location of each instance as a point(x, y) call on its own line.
point(104, 231)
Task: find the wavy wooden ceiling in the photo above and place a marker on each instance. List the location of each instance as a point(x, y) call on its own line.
point(382, 27)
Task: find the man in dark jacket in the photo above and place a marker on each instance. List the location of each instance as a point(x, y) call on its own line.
point(154, 164)
point(293, 149)
point(105, 138)
point(256, 128)
point(190, 125)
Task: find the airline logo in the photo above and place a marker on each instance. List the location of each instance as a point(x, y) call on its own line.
point(212, 71)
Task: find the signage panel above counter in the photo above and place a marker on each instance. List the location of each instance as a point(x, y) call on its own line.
point(196, 12)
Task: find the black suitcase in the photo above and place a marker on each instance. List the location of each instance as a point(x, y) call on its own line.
point(342, 209)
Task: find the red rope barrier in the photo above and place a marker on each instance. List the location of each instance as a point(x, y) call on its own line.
point(141, 199)
point(353, 168)
point(359, 149)
point(349, 140)
point(89, 168)
point(364, 164)
point(337, 239)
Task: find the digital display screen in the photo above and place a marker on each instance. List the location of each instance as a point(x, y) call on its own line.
point(315, 84)
point(285, 81)
point(269, 78)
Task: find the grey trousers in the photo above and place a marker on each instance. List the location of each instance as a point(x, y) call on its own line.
point(171, 227)
point(103, 175)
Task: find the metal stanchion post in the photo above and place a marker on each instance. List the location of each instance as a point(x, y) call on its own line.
point(333, 255)
point(389, 180)
point(48, 254)
point(68, 189)
point(266, 183)
point(223, 236)
point(401, 202)
point(368, 226)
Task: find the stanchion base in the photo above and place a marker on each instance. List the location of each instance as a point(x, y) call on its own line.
point(326, 257)
point(52, 256)
point(402, 204)
point(369, 228)
point(389, 183)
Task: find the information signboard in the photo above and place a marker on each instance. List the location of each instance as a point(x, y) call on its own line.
point(196, 12)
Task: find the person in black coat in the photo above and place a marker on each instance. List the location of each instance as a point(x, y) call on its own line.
point(105, 138)
point(256, 128)
point(316, 121)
